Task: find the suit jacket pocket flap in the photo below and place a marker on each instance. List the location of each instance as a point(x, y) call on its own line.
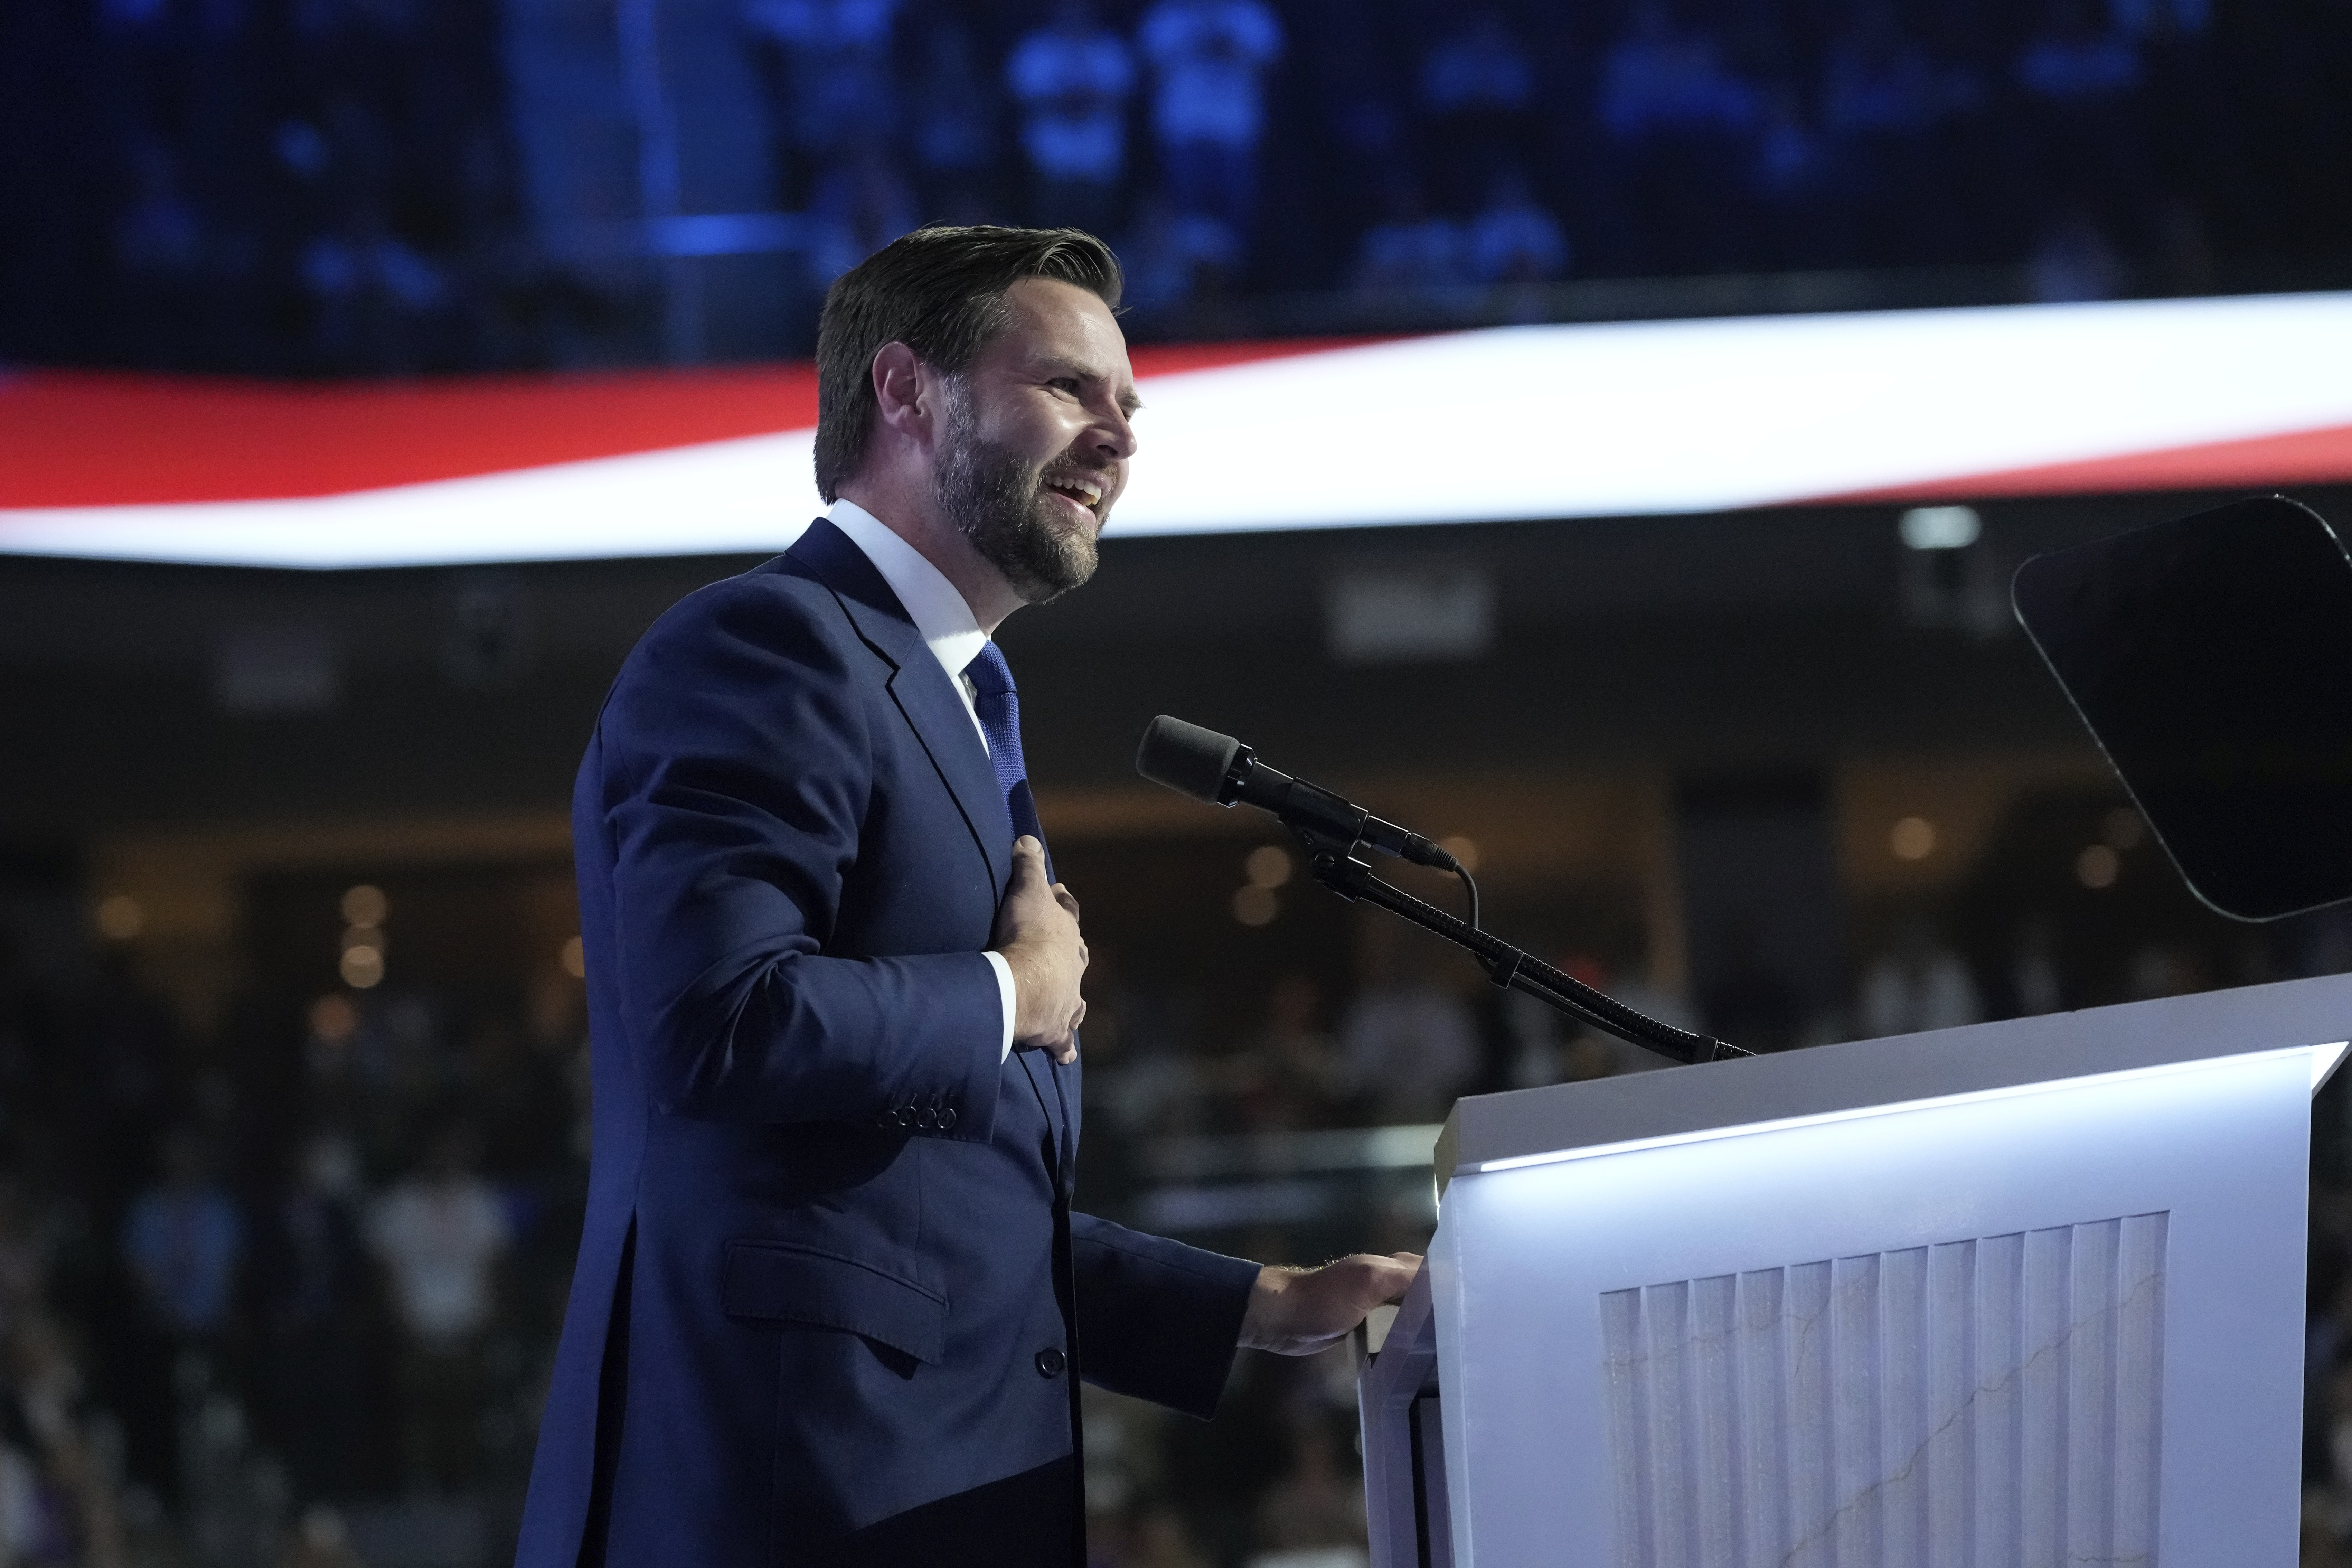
point(795, 1284)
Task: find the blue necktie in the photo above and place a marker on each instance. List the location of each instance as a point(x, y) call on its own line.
point(998, 705)
point(998, 708)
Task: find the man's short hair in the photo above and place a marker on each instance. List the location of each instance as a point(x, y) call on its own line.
point(941, 291)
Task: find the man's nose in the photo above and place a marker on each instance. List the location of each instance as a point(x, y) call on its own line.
point(1117, 435)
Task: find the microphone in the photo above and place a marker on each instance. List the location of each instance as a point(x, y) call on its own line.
point(1223, 772)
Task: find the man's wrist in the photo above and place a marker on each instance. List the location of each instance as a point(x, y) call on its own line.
point(1007, 995)
point(1259, 1318)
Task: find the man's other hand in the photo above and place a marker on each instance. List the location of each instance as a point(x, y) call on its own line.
point(1297, 1311)
point(1037, 934)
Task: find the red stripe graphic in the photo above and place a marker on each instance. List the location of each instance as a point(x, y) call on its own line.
point(2260, 462)
point(74, 438)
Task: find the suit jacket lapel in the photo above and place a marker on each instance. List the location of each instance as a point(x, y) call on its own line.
point(918, 685)
point(941, 722)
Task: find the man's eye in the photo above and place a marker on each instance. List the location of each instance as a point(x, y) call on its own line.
point(1069, 383)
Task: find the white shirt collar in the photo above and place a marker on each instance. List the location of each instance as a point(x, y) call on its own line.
point(936, 607)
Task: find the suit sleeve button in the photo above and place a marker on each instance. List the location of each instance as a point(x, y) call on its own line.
point(886, 1120)
point(947, 1118)
point(927, 1119)
point(1050, 1363)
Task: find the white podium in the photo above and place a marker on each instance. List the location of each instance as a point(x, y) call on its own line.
point(2015, 1296)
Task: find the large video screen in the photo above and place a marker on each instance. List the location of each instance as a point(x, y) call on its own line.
point(1557, 421)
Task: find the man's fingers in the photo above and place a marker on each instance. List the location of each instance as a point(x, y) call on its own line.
point(1068, 900)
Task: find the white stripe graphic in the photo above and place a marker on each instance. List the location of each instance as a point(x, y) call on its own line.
point(1514, 423)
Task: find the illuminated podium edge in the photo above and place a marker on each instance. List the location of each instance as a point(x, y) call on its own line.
point(2263, 1031)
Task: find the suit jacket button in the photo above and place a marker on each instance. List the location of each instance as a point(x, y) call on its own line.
point(947, 1118)
point(927, 1118)
point(1050, 1363)
point(887, 1120)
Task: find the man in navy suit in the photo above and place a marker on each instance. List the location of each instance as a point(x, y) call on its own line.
point(831, 1301)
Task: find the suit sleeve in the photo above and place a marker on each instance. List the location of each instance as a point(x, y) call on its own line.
point(1157, 1318)
point(737, 773)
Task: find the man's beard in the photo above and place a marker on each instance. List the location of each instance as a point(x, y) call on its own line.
point(998, 499)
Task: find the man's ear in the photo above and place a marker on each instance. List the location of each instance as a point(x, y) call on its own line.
point(905, 392)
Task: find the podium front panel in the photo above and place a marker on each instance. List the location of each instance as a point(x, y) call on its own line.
point(2047, 1324)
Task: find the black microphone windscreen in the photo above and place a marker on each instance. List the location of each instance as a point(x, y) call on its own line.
point(1186, 758)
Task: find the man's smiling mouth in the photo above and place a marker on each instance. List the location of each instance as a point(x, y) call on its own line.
point(1086, 492)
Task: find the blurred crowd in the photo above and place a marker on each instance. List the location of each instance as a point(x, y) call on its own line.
point(347, 184)
point(285, 1290)
point(284, 1293)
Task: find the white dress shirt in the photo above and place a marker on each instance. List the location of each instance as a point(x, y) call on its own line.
point(947, 628)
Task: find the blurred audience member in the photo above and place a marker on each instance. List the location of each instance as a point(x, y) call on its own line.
point(830, 70)
point(1883, 97)
point(57, 1502)
point(1919, 985)
point(1072, 79)
point(1662, 77)
point(1681, 116)
point(2075, 59)
point(1514, 238)
point(316, 1383)
point(371, 293)
point(441, 1235)
point(1209, 60)
point(1478, 89)
point(184, 1239)
point(1413, 252)
point(1172, 257)
point(2080, 77)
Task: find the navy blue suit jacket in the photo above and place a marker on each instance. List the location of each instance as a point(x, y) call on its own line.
point(830, 1280)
